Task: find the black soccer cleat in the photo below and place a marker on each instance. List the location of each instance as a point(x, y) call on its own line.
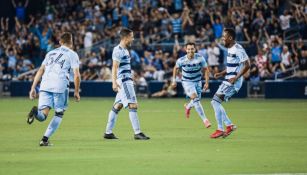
point(31, 115)
point(43, 143)
point(109, 136)
point(141, 136)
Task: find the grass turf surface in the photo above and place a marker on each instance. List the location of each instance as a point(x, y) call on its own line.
point(271, 138)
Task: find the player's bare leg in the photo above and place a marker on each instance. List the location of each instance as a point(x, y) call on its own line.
point(40, 115)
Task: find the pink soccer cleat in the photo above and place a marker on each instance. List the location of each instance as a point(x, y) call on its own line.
point(217, 134)
point(229, 130)
point(187, 111)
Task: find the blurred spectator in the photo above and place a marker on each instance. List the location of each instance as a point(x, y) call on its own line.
point(262, 63)
point(276, 49)
point(20, 9)
point(286, 59)
point(88, 41)
point(217, 24)
point(301, 53)
point(160, 28)
point(213, 57)
point(105, 73)
point(157, 63)
point(254, 77)
point(167, 91)
point(285, 20)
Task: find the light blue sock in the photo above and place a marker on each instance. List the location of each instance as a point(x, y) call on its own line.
point(134, 121)
point(40, 116)
point(226, 120)
point(111, 120)
point(218, 114)
point(53, 125)
point(199, 109)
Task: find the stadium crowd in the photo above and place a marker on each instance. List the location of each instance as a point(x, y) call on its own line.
point(271, 31)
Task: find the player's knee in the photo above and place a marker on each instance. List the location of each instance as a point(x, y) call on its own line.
point(133, 106)
point(46, 111)
point(118, 106)
point(193, 96)
point(59, 114)
point(196, 100)
point(216, 99)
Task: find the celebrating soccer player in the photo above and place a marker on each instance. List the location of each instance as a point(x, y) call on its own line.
point(193, 66)
point(237, 65)
point(122, 83)
point(53, 93)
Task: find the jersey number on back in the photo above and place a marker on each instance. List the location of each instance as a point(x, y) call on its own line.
point(51, 60)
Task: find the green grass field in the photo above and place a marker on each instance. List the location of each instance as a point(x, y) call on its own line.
point(271, 138)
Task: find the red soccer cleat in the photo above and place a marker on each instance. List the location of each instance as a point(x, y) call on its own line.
point(217, 134)
point(187, 111)
point(229, 130)
point(207, 123)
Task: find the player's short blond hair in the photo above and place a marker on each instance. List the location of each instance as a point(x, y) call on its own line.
point(66, 38)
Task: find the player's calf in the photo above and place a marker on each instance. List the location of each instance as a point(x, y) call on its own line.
point(37, 114)
point(135, 122)
point(111, 121)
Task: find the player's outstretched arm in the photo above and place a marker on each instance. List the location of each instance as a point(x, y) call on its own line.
point(242, 72)
point(115, 85)
point(77, 80)
point(220, 74)
point(175, 72)
point(38, 76)
point(206, 73)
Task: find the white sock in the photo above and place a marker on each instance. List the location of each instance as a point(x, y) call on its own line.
point(226, 120)
point(111, 120)
point(134, 121)
point(199, 109)
point(218, 114)
point(53, 125)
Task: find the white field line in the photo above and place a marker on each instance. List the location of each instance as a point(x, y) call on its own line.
point(275, 174)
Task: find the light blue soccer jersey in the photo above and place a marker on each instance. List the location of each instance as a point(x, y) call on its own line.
point(236, 55)
point(122, 55)
point(191, 69)
point(58, 64)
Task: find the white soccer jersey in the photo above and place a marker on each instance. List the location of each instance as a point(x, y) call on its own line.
point(236, 55)
point(122, 55)
point(191, 69)
point(58, 65)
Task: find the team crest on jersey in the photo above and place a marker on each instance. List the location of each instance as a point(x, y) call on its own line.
point(231, 55)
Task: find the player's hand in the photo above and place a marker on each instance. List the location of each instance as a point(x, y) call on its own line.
point(115, 87)
point(232, 80)
point(174, 84)
point(32, 94)
point(206, 87)
point(217, 75)
point(77, 96)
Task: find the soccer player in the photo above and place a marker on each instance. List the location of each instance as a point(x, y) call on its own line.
point(237, 65)
point(193, 66)
point(53, 93)
point(122, 83)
